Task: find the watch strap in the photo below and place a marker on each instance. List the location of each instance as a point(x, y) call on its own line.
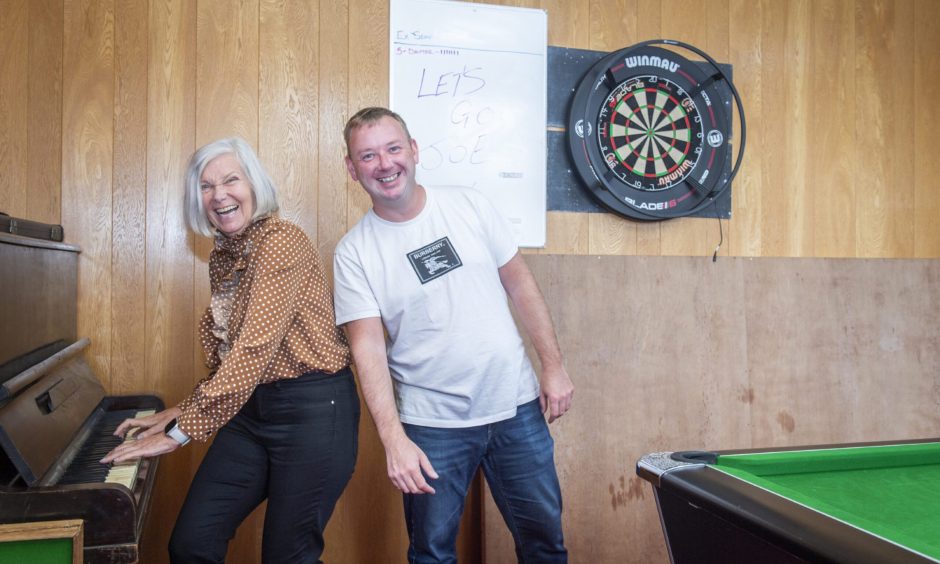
point(173, 431)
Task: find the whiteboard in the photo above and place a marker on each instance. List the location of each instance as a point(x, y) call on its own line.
point(469, 80)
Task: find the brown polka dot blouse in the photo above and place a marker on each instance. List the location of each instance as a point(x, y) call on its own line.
point(271, 318)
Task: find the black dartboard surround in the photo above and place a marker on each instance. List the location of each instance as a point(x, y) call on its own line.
point(649, 131)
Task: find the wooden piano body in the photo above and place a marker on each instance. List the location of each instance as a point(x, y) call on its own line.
point(56, 421)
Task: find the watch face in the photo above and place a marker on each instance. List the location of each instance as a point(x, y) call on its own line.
point(649, 131)
point(177, 434)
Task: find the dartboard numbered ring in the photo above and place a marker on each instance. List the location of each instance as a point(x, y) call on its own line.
point(650, 131)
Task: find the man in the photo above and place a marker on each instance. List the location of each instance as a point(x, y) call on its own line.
point(453, 389)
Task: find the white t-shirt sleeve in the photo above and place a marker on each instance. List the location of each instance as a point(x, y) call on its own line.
point(500, 239)
point(353, 298)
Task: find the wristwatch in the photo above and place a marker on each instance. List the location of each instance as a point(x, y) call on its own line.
point(173, 431)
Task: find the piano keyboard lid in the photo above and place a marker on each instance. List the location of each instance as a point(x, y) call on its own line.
point(50, 404)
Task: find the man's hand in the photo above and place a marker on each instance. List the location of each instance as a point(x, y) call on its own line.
point(405, 461)
point(405, 464)
point(557, 392)
point(141, 448)
point(532, 311)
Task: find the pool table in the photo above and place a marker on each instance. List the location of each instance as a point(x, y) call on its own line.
point(864, 502)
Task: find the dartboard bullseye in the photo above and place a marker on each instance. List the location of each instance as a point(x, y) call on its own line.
point(650, 131)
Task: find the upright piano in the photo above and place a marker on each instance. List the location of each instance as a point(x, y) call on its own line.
point(56, 420)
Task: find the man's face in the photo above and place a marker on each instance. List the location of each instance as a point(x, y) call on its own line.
point(382, 159)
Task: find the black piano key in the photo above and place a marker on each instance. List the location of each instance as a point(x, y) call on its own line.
point(85, 468)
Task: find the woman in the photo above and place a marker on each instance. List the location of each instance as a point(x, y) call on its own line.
point(280, 397)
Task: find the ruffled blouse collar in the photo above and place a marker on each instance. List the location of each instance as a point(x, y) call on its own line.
point(237, 248)
point(237, 244)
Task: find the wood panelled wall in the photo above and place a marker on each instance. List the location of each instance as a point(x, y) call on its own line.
point(102, 102)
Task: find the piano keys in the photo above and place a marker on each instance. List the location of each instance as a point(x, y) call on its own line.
point(85, 468)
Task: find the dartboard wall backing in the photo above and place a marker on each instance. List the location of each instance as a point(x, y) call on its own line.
point(650, 131)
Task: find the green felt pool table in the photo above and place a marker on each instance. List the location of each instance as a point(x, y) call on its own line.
point(872, 502)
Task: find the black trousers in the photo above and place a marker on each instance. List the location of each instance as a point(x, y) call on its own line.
point(293, 443)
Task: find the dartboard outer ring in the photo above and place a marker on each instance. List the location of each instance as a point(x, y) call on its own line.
point(649, 133)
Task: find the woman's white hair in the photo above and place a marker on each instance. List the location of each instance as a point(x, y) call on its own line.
point(262, 188)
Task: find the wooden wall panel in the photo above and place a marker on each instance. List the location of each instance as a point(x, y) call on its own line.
point(333, 83)
point(747, 51)
point(926, 168)
point(129, 211)
point(569, 24)
point(884, 127)
point(612, 24)
point(611, 235)
point(14, 45)
point(786, 220)
point(834, 126)
point(287, 123)
point(170, 141)
point(44, 115)
point(87, 162)
point(566, 234)
point(227, 70)
point(170, 322)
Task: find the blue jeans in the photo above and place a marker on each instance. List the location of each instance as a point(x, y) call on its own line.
point(518, 464)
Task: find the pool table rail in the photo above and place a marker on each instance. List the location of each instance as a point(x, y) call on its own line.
point(710, 516)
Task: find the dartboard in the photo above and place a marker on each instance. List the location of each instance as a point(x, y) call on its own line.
point(650, 132)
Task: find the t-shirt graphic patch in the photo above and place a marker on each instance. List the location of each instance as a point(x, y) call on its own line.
point(434, 260)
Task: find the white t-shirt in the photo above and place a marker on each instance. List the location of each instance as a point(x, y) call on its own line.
point(456, 357)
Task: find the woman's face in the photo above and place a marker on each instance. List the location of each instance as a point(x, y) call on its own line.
point(226, 195)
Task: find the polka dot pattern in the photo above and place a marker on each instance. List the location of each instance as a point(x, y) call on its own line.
point(270, 282)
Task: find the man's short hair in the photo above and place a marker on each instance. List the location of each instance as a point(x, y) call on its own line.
point(369, 116)
point(262, 187)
